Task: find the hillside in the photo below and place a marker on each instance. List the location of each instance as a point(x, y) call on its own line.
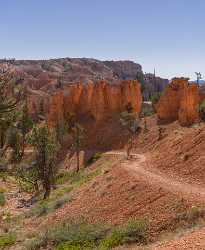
point(47, 75)
point(98, 169)
point(165, 187)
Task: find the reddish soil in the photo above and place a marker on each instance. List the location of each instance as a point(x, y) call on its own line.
point(164, 177)
point(194, 240)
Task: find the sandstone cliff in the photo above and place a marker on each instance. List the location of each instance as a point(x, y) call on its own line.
point(180, 101)
point(97, 101)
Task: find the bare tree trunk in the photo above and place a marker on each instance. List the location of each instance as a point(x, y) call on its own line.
point(129, 148)
point(2, 140)
point(78, 160)
point(23, 147)
point(47, 188)
point(78, 149)
point(36, 188)
point(145, 126)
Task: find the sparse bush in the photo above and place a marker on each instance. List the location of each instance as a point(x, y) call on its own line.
point(94, 158)
point(7, 217)
point(75, 178)
point(133, 231)
point(3, 176)
point(40, 210)
point(190, 217)
point(146, 110)
point(184, 219)
point(83, 236)
point(69, 176)
point(2, 190)
point(37, 243)
point(7, 240)
point(47, 206)
point(60, 202)
point(155, 97)
point(69, 236)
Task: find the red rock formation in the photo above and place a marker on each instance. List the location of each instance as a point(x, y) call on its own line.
point(179, 102)
point(37, 103)
point(100, 100)
point(189, 105)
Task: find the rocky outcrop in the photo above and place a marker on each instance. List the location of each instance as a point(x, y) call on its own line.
point(179, 102)
point(153, 84)
point(48, 75)
point(98, 101)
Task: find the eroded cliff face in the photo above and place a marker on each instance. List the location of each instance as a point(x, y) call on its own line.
point(98, 101)
point(179, 102)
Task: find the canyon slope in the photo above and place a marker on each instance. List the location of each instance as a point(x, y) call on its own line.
point(49, 75)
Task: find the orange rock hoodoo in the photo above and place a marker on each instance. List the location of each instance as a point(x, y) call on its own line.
point(179, 102)
point(97, 100)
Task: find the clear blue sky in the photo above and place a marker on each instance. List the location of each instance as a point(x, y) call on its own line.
point(166, 34)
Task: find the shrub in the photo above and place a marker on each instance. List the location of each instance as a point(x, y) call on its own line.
point(190, 217)
point(37, 242)
point(2, 199)
point(60, 202)
point(70, 176)
point(40, 209)
point(83, 236)
point(94, 158)
point(133, 231)
point(155, 97)
point(202, 106)
point(69, 236)
point(7, 216)
point(47, 206)
point(184, 219)
point(76, 178)
point(146, 110)
point(7, 240)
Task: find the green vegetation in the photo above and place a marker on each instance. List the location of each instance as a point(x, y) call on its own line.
point(47, 206)
point(184, 218)
point(7, 217)
point(60, 196)
point(84, 236)
point(7, 240)
point(76, 179)
point(202, 106)
point(46, 147)
point(2, 199)
point(155, 98)
point(146, 110)
point(69, 235)
point(135, 231)
point(94, 158)
point(130, 120)
point(190, 217)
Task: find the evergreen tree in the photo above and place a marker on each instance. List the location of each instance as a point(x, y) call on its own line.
point(46, 147)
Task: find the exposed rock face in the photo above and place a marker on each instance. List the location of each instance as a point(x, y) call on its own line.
point(125, 70)
point(153, 84)
point(49, 75)
point(98, 101)
point(179, 102)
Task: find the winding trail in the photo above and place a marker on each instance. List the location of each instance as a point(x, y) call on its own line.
point(139, 166)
